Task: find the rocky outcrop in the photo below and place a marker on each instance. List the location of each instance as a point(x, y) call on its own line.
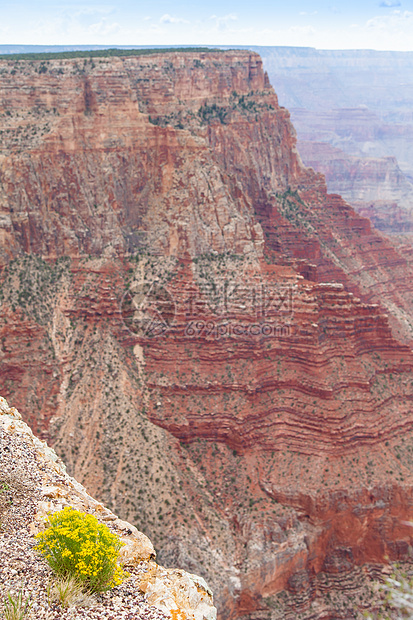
point(111, 201)
point(223, 356)
point(49, 489)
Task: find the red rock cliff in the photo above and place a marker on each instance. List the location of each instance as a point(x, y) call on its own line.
point(201, 330)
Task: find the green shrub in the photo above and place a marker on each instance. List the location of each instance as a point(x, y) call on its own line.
point(76, 544)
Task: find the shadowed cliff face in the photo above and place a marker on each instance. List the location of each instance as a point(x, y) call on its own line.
point(219, 349)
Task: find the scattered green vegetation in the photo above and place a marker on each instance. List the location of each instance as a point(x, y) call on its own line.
point(183, 118)
point(246, 104)
point(207, 113)
point(15, 606)
point(104, 53)
point(31, 283)
point(294, 210)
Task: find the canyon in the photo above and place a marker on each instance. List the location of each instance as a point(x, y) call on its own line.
point(218, 348)
point(359, 103)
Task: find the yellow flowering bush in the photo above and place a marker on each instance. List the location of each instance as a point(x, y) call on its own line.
point(76, 544)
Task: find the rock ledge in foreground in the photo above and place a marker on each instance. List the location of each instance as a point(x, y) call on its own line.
point(33, 483)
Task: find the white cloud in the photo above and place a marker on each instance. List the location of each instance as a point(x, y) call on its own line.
point(295, 35)
point(86, 25)
point(104, 28)
point(302, 30)
point(154, 29)
point(391, 28)
point(169, 19)
point(398, 23)
point(223, 22)
point(390, 31)
point(390, 3)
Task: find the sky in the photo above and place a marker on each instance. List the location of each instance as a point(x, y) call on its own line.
point(324, 24)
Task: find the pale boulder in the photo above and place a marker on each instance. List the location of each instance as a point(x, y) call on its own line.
point(179, 594)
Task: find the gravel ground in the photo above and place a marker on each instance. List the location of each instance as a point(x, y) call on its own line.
point(22, 475)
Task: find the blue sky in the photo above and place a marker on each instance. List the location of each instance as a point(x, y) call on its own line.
point(326, 24)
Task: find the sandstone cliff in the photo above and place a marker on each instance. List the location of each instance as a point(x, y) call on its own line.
point(217, 347)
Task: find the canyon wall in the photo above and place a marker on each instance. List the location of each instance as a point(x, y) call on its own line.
point(218, 348)
point(357, 101)
point(377, 188)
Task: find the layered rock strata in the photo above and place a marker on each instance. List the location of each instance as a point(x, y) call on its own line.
point(217, 347)
point(377, 188)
